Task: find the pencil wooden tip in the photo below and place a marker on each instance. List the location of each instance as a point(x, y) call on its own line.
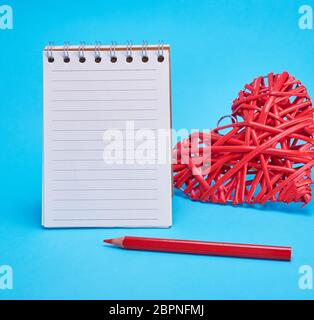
point(115, 241)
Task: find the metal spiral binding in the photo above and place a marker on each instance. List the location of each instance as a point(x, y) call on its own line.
point(129, 57)
point(160, 54)
point(82, 58)
point(98, 49)
point(113, 56)
point(50, 57)
point(66, 57)
point(144, 51)
point(97, 52)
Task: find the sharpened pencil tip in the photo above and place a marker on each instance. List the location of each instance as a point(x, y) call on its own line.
point(108, 240)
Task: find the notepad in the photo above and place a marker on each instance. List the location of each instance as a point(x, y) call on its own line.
point(104, 109)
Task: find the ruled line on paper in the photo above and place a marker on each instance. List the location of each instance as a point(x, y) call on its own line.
point(102, 219)
point(94, 100)
point(77, 150)
point(79, 140)
point(102, 149)
point(108, 209)
point(96, 160)
point(95, 140)
point(101, 70)
point(110, 179)
point(83, 130)
point(95, 130)
point(107, 189)
point(107, 119)
point(56, 160)
point(107, 169)
point(102, 110)
point(102, 80)
point(105, 199)
point(103, 107)
point(104, 90)
point(113, 108)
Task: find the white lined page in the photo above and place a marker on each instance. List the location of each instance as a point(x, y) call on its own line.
point(81, 101)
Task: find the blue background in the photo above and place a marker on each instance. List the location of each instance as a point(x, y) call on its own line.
point(217, 46)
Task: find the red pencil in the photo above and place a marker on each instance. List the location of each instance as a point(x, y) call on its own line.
point(204, 247)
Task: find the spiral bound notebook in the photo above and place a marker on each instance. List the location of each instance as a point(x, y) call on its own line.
point(104, 109)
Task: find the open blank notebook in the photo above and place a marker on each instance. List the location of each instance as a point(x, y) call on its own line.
point(104, 109)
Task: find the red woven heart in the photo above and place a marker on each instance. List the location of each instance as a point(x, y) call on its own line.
point(266, 155)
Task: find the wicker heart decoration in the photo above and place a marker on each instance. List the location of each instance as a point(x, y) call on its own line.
point(266, 154)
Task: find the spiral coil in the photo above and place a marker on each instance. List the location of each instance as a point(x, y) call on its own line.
point(144, 51)
point(113, 56)
point(97, 52)
point(66, 56)
point(161, 56)
point(50, 57)
point(129, 53)
point(82, 58)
